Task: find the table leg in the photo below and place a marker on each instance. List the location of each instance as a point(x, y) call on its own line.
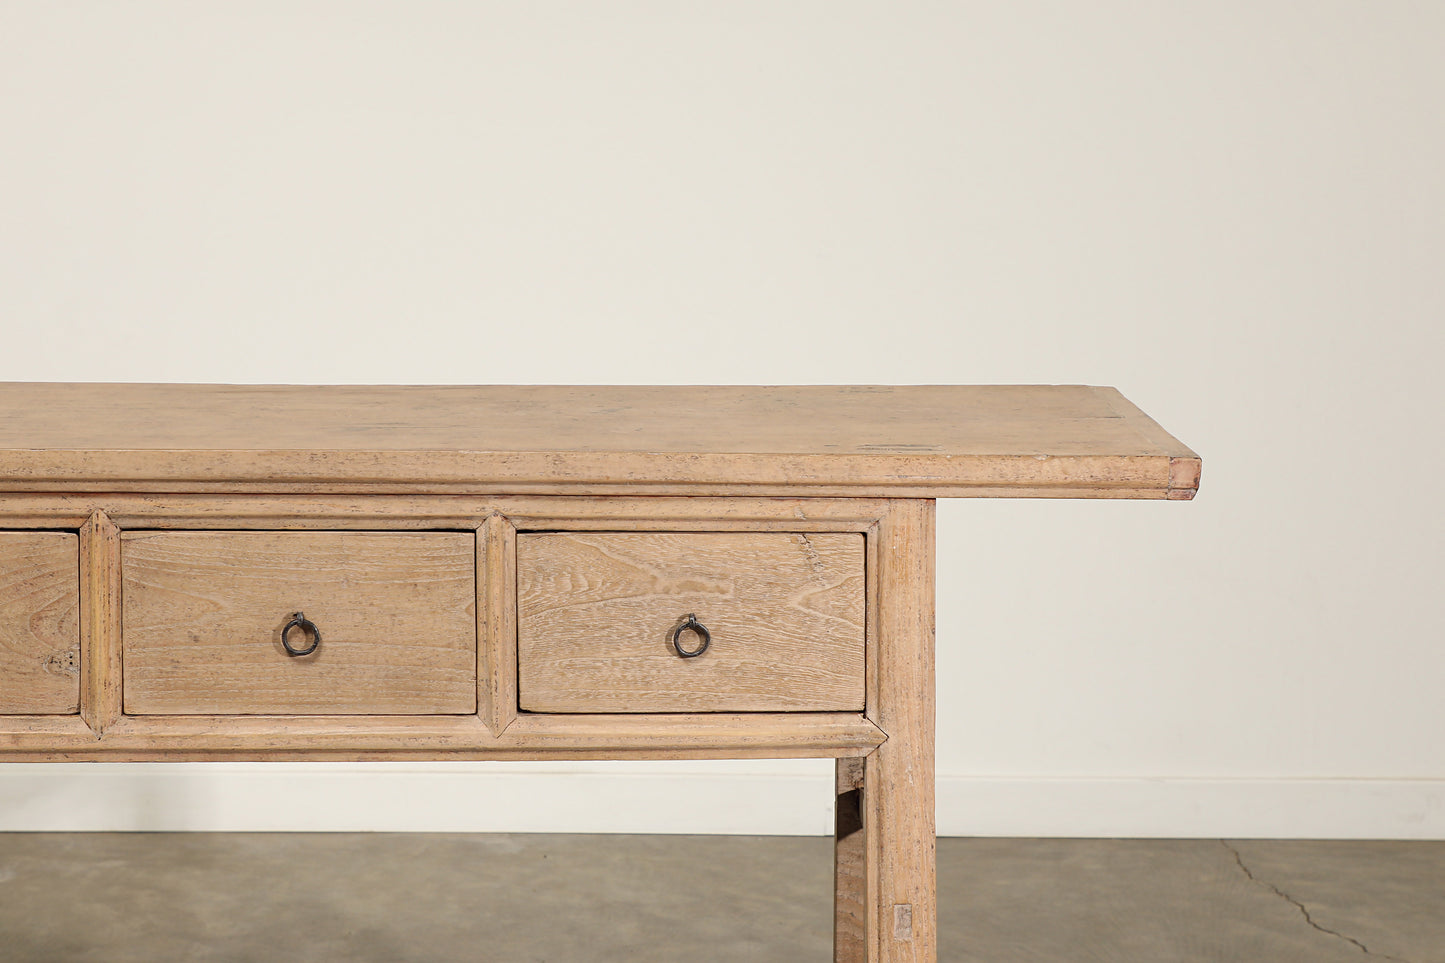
point(850, 862)
point(897, 801)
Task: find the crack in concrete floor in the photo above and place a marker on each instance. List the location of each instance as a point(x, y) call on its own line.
point(1304, 910)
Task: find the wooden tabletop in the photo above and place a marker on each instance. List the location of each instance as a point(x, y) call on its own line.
point(914, 441)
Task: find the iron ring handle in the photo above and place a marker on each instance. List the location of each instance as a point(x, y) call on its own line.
point(702, 633)
point(307, 627)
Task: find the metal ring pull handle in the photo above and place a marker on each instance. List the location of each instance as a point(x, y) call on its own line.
point(307, 627)
point(702, 633)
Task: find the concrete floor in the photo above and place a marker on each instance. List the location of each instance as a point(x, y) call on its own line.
point(159, 897)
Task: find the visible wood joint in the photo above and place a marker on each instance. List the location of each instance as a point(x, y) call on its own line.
point(497, 620)
point(848, 814)
point(100, 663)
point(1184, 474)
point(903, 923)
point(850, 773)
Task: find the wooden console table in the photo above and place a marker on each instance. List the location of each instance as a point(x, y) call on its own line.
point(235, 573)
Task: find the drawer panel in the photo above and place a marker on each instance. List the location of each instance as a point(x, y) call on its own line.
point(596, 614)
point(203, 615)
point(39, 623)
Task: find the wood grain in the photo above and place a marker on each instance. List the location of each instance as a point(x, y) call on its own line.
point(100, 668)
point(792, 735)
point(898, 791)
point(39, 623)
point(865, 440)
point(596, 614)
point(850, 864)
point(497, 593)
point(204, 611)
point(580, 527)
point(135, 511)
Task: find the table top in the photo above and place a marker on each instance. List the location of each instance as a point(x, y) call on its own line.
point(905, 441)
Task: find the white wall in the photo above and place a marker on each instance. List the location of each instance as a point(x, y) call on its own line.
point(1232, 211)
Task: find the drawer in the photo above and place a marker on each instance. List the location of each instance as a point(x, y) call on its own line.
point(203, 615)
point(596, 615)
point(39, 623)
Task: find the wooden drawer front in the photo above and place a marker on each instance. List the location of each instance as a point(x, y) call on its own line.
point(203, 614)
point(39, 623)
point(596, 613)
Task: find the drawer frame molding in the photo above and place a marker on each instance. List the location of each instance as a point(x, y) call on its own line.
point(498, 730)
point(100, 662)
point(885, 899)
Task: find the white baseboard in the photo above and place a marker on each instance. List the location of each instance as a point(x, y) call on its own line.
point(1193, 808)
point(744, 798)
point(790, 798)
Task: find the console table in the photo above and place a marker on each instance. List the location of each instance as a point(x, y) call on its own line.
point(193, 572)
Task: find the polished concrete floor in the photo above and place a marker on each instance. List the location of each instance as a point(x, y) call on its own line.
point(159, 897)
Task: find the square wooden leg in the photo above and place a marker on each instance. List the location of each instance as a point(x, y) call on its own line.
point(850, 862)
point(898, 831)
point(885, 811)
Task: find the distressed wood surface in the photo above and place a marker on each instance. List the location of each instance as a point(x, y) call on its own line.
point(100, 667)
point(39, 623)
point(596, 614)
point(133, 511)
point(850, 864)
point(923, 441)
point(792, 735)
point(497, 594)
point(203, 614)
point(433, 641)
point(898, 789)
